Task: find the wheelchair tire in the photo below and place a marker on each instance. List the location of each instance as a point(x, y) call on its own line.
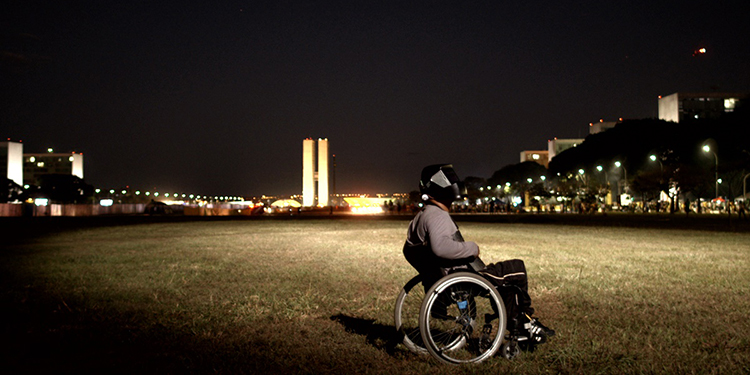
point(462, 319)
point(406, 314)
point(510, 349)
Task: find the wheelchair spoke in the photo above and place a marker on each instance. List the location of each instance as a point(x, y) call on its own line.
point(450, 319)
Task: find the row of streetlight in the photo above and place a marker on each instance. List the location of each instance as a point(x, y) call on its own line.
point(653, 157)
point(173, 195)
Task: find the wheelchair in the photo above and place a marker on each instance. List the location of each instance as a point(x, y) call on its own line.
point(462, 318)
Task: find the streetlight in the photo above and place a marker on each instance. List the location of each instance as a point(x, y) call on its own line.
point(661, 166)
point(619, 165)
point(581, 172)
point(606, 175)
point(661, 180)
point(716, 176)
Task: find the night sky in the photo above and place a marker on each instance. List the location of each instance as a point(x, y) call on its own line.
point(216, 97)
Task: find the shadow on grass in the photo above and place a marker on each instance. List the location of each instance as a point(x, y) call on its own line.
point(381, 336)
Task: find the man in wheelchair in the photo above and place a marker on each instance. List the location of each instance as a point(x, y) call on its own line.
point(434, 247)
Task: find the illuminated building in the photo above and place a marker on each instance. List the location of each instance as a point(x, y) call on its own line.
point(11, 161)
point(315, 181)
point(308, 172)
point(683, 106)
point(556, 146)
point(323, 172)
point(37, 165)
point(540, 157)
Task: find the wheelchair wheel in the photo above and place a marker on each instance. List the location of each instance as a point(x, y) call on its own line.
point(462, 319)
point(510, 349)
point(406, 315)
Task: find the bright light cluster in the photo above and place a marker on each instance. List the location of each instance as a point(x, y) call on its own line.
point(367, 210)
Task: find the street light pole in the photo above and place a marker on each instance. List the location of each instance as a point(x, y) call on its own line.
point(661, 181)
point(581, 172)
point(625, 184)
point(716, 174)
point(661, 166)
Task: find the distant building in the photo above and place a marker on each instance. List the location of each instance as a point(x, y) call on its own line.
point(37, 165)
point(541, 157)
point(685, 106)
point(556, 146)
point(598, 127)
point(315, 181)
point(11, 161)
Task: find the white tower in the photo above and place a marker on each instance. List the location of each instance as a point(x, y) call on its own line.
point(323, 172)
point(311, 176)
point(11, 157)
point(308, 172)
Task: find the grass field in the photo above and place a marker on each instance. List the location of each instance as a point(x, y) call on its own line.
point(316, 296)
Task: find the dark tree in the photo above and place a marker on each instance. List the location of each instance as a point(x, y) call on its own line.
point(679, 160)
point(517, 174)
point(474, 187)
point(62, 188)
point(12, 192)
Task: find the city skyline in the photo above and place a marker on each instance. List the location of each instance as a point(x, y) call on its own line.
point(214, 98)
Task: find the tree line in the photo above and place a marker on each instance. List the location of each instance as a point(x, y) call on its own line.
point(641, 157)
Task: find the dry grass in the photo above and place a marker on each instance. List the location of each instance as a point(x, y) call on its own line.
point(316, 296)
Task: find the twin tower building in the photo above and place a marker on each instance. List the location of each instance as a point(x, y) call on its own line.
point(315, 181)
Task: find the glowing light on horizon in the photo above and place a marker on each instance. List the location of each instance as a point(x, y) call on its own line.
point(367, 210)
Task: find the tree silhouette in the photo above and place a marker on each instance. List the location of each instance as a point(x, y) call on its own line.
point(63, 188)
point(11, 192)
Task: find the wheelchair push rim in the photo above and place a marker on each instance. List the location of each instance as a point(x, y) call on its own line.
point(462, 319)
point(406, 315)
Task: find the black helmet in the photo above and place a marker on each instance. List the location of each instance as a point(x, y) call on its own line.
point(441, 182)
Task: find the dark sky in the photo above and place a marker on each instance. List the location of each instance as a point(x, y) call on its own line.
point(213, 97)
